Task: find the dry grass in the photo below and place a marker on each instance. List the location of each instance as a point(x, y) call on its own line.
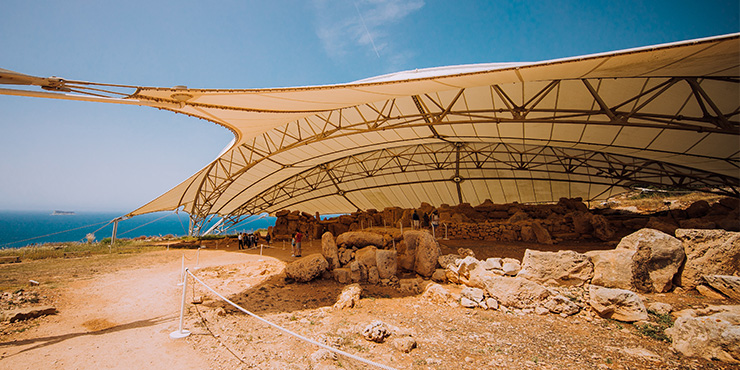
point(660, 201)
point(51, 264)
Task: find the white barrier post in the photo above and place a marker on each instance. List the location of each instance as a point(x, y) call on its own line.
point(180, 332)
point(434, 235)
point(260, 260)
point(197, 258)
point(400, 224)
point(182, 268)
point(446, 232)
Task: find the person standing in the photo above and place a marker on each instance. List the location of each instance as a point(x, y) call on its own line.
point(298, 238)
point(292, 245)
point(241, 241)
point(415, 219)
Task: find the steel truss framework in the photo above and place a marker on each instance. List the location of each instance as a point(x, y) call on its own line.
point(449, 135)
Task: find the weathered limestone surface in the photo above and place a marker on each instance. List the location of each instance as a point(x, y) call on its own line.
point(713, 337)
point(329, 250)
point(510, 291)
point(725, 284)
point(647, 261)
point(427, 255)
point(307, 268)
point(708, 252)
point(360, 239)
point(556, 268)
point(617, 304)
point(386, 261)
point(349, 297)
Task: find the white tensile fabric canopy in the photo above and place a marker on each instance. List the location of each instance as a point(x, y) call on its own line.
point(666, 115)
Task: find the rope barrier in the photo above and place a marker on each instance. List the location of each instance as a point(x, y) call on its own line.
point(286, 331)
point(56, 233)
point(205, 324)
point(128, 231)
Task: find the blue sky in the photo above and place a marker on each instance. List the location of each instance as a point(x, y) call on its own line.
point(104, 157)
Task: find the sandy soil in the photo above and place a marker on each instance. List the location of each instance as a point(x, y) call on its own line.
point(118, 320)
point(122, 319)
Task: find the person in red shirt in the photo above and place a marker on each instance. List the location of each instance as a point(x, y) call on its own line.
point(298, 238)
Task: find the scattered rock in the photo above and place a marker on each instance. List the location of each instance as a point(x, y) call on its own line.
point(556, 268)
point(409, 285)
point(404, 344)
point(439, 275)
point(642, 353)
point(465, 252)
point(559, 304)
point(491, 304)
point(350, 297)
point(323, 354)
point(617, 304)
point(306, 268)
point(468, 303)
point(436, 293)
point(492, 264)
point(660, 308)
point(511, 266)
point(376, 331)
point(448, 259)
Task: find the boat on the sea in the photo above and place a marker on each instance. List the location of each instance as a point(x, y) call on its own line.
point(62, 213)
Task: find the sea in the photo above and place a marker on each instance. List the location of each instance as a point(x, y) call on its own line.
point(23, 228)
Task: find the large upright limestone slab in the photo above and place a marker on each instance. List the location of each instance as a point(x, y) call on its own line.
point(427, 255)
point(646, 261)
point(387, 263)
point(407, 249)
point(329, 250)
point(556, 268)
point(658, 257)
point(708, 252)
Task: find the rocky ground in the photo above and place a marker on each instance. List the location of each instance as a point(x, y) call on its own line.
point(447, 336)
point(118, 312)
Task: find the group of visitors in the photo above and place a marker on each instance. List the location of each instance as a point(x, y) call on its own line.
point(295, 244)
point(425, 220)
point(247, 241)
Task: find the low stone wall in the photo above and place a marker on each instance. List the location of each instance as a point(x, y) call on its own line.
point(567, 219)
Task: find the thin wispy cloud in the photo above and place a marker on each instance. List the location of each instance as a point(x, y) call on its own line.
point(363, 26)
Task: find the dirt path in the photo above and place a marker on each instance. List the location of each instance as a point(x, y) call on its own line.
point(119, 320)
